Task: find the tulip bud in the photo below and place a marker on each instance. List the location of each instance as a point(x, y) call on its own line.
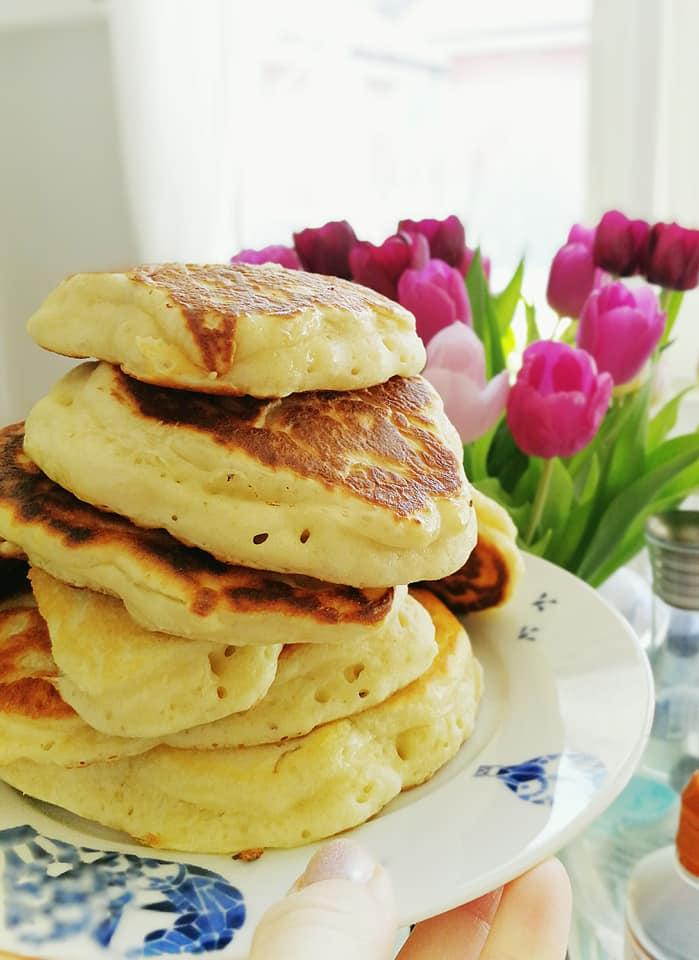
point(558, 400)
point(620, 243)
point(286, 256)
point(436, 295)
point(380, 267)
point(326, 249)
point(573, 275)
point(620, 328)
point(456, 369)
point(672, 257)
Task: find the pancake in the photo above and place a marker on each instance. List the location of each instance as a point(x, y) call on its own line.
point(363, 488)
point(231, 328)
point(281, 795)
point(166, 585)
point(35, 723)
point(490, 576)
point(130, 682)
point(316, 684)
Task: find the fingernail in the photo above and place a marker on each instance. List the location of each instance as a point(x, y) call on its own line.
point(338, 860)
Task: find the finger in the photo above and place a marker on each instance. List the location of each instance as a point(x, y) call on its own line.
point(341, 907)
point(533, 919)
point(457, 935)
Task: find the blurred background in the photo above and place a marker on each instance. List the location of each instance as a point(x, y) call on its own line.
point(174, 129)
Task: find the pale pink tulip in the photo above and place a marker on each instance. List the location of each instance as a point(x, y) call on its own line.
point(456, 369)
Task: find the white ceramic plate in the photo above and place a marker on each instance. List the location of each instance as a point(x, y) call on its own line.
point(564, 719)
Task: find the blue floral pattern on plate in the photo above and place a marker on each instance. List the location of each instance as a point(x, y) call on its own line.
point(55, 891)
point(535, 780)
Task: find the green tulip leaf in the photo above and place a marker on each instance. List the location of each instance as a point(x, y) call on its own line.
point(532, 326)
point(505, 302)
point(627, 512)
point(540, 546)
point(484, 321)
point(665, 419)
point(670, 301)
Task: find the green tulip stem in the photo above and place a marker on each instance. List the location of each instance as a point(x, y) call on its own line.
point(542, 492)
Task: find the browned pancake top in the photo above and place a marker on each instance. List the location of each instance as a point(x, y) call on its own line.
point(26, 665)
point(482, 582)
point(211, 297)
point(379, 443)
point(32, 498)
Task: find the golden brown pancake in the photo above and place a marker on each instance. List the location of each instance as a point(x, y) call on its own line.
point(165, 585)
point(35, 723)
point(363, 487)
point(231, 328)
point(490, 576)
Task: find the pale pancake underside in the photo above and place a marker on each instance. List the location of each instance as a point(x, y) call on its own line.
point(232, 328)
point(317, 683)
point(286, 794)
point(127, 681)
point(365, 489)
point(35, 724)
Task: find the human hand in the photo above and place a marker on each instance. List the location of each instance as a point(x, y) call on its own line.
point(342, 908)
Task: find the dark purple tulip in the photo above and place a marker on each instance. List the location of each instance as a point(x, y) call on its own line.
point(620, 243)
point(326, 249)
point(286, 256)
point(381, 267)
point(447, 238)
point(672, 257)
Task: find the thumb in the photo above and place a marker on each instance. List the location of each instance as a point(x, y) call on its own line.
point(341, 907)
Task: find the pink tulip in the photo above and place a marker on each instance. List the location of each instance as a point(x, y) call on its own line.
point(456, 369)
point(620, 328)
point(619, 243)
point(380, 267)
point(286, 256)
point(558, 400)
point(326, 249)
point(436, 295)
point(573, 274)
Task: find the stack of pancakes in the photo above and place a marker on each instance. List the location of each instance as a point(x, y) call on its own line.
point(221, 516)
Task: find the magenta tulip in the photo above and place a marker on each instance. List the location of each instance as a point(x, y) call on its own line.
point(620, 328)
point(456, 369)
point(326, 249)
point(573, 274)
point(672, 257)
point(558, 401)
point(286, 256)
point(380, 267)
point(620, 243)
point(436, 295)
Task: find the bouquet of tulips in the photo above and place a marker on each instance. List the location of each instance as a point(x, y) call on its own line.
point(565, 431)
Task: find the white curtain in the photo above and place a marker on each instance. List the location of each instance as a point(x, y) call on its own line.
point(644, 135)
point(179, 68)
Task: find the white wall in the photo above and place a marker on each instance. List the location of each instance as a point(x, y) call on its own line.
point(62, 201)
